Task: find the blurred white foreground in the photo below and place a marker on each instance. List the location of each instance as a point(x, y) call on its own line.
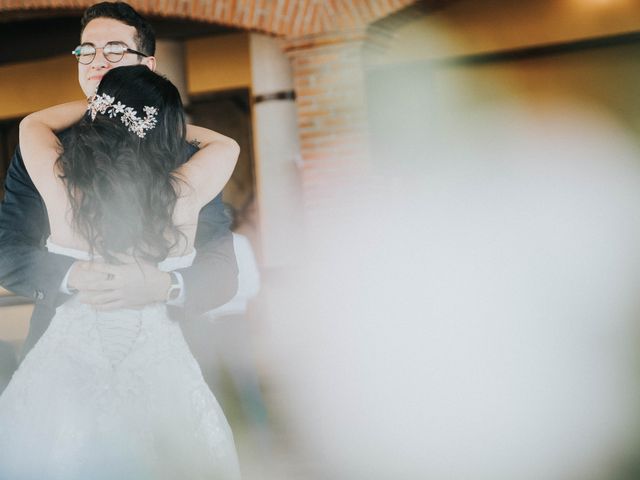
point(478, 319)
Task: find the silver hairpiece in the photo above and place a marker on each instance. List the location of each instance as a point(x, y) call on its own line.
point(104, 104)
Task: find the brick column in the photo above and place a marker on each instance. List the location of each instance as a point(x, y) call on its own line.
point(330, 100)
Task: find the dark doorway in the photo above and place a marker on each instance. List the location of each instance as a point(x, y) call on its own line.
point(8, 144)
point(229, 112)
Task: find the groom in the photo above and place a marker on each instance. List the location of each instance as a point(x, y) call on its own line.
point(112, 35)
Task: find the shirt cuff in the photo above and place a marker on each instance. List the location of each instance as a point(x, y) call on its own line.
point(64, 286)
point(179, 300)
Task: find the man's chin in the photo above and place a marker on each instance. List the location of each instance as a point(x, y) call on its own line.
point(89, 88)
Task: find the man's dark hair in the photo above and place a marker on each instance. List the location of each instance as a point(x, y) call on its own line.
point(145, 36)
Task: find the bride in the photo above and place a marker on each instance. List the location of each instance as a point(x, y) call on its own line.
point(116, 393)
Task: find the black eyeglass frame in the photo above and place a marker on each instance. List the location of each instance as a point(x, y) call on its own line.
point(76, 52)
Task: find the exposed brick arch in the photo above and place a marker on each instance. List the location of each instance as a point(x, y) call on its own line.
point(290, 18)
point(324, 40)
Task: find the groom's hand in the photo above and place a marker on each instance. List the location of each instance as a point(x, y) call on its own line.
point(108, 287)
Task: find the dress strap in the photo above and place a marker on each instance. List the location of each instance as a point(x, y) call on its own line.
point(167, 265)
point(67, 251)
point(174, 263)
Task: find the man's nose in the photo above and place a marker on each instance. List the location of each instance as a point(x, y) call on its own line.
point(99, 61)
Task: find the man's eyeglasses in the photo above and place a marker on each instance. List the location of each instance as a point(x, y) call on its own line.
point(112, 51)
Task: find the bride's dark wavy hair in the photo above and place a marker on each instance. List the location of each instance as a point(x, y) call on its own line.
point(121, 187)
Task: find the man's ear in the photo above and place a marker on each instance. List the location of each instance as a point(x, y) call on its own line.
point(149, 62)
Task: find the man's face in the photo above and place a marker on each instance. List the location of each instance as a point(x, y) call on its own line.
point(99, 32)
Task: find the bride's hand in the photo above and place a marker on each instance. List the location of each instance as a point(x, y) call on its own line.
point(108, 287)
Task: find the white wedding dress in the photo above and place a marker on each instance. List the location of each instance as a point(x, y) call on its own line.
point(113, 395)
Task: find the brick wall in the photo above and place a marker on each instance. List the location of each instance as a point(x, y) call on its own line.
point(287, 18)
point(324, 40)
point(331, 106)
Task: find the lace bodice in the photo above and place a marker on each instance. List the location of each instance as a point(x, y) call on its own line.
point(118, 331)
point(113, 394)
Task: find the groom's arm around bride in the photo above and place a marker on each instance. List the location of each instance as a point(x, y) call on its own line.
point(28, 269)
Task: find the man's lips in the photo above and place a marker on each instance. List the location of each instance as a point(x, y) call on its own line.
point(96, 77)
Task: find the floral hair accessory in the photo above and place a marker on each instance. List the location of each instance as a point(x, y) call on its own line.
point(104, 104)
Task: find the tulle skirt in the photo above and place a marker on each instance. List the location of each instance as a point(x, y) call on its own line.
point(107, 395)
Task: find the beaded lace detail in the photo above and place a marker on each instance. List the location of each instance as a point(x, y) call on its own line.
point(115, 394)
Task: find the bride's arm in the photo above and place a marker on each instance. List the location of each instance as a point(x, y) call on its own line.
point(39, 145)
point(209, 169)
